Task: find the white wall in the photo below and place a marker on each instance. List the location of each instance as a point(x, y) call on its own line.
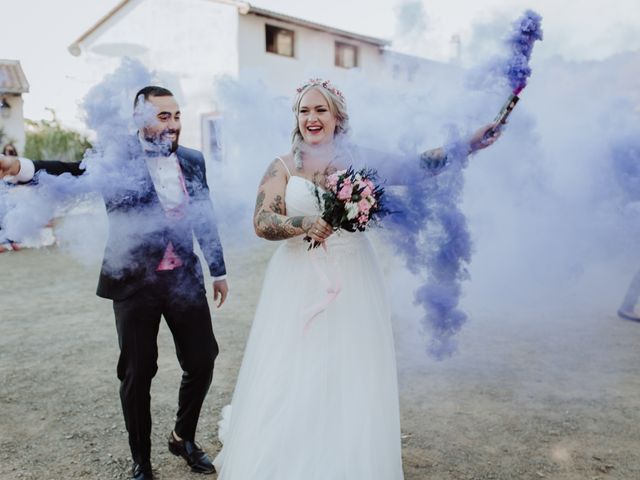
point(14, 125)
point(413, 72)
point(186, 42)
point(190, 42)
point(314, 55)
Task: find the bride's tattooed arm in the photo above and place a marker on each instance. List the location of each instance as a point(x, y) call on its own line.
point(270, 218)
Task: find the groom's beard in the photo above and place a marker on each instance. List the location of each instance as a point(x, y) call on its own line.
point(172, 136)
point(166, 142)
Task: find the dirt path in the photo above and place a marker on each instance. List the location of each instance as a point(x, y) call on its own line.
point(526, 397)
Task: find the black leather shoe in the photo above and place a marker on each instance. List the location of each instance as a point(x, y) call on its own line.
point(192, 453)
point(141, 471)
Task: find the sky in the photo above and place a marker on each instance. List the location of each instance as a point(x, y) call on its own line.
point(578, 30)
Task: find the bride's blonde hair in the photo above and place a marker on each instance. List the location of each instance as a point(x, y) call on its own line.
point(337, 106)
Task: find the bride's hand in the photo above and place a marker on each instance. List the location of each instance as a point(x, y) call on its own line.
point(484, 137)
point(319, 230)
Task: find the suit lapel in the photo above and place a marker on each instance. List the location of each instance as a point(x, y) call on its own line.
point(187, 172)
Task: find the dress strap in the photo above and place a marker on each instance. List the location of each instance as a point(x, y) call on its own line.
point(285, 166)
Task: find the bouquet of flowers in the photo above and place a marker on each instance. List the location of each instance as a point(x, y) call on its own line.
point(352, 200)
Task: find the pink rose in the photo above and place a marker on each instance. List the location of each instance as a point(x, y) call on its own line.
point(362, 219)
point(346, 191)
point(332, 181)
point(369, 184)
point(364, 206)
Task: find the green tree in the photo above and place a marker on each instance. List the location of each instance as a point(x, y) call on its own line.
point(48, 140)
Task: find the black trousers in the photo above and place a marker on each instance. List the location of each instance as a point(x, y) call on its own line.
point(180, 297)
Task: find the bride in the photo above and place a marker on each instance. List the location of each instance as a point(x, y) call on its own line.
point(317, 394)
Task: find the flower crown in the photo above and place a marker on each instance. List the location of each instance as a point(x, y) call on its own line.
point(326, 84)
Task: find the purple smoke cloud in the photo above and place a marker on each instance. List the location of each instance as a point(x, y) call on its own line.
point(429, 231)
point(526, 30)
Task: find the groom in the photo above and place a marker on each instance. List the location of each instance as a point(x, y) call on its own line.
point(150, 270)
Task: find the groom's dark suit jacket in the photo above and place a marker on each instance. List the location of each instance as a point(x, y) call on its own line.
point(139, 228)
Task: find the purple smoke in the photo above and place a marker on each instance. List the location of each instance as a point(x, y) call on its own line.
point(28, 209)
point(526, 30)
point(625, 158)
point(430, 232)
point(108, 109)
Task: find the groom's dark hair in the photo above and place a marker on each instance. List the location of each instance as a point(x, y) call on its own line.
point(151, 91)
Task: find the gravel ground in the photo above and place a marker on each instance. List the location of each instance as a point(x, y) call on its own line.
point(526, 397)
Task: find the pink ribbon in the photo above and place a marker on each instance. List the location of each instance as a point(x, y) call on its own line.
point(332, 289)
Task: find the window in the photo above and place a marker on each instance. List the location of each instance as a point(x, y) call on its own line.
point(279, 40)
point(212, 137)
point(346, 55)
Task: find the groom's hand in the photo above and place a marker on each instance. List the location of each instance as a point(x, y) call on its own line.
point(220, 289)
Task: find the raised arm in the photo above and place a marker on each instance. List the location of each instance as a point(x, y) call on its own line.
point(12, 170)
point(54, 167)
point(22, 170)
point(434, 160)
point(270, 219)
point(400, 169)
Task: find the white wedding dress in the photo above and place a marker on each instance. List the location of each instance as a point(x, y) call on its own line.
point(316, 399)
